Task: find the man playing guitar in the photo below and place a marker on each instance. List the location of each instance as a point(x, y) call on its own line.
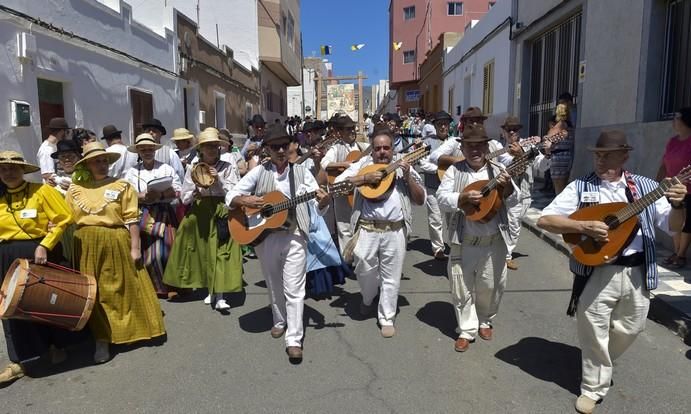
point(478, 270)
point(282, 253)
point(380, 228)
point(612, 300)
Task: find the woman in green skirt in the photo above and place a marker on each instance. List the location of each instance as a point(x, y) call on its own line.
point(204, 255)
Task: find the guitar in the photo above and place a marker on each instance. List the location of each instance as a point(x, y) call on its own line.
point(376, 191)
point(321, 146)
point(353, 156)
point(622, 220)
point(491, 199)
point(250, 225)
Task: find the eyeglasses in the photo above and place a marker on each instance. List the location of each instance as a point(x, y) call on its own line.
point(278, 147)
point(512, 130)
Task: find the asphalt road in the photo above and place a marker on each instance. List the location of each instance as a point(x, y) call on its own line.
point(213, 362)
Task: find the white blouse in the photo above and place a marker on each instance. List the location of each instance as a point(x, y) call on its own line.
point(140, 176)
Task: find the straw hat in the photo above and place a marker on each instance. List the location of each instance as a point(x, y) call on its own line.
point(144, 139)
point(180, 134)
point(96, 149)
point(208, 136)
point(15, 158)
point(512, 122)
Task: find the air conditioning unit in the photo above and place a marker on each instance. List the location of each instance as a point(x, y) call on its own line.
point(26, 46)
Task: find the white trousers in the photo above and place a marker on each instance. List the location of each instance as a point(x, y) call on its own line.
point(478, 278)
point(516, 214)
point(611, 313)
point(343, 212)
point(435, 224)
point(378, 261)
point(283, 259)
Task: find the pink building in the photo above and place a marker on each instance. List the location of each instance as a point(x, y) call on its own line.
point(417, 25)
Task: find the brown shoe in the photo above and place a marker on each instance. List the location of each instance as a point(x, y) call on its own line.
point(11, 373)
point(294, 352)
point(485, 333)
point(511, 264)
point(461, 345)
point(440, 255)
point(277, 332)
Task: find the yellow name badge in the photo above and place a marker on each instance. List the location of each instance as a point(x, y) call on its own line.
point(28, 213)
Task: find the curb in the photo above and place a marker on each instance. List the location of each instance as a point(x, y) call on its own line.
point(661, 310)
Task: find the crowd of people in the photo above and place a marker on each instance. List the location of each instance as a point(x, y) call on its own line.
point(147, 220)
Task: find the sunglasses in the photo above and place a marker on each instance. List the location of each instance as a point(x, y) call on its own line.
point(278, 147)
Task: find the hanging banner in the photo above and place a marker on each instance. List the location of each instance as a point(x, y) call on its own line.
point(341, 98)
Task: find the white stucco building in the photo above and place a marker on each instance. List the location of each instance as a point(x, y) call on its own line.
point(307, 91)
point(479, 68)
point(105, 68)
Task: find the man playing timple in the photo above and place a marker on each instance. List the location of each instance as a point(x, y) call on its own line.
point(612, 300)
point(381, 226)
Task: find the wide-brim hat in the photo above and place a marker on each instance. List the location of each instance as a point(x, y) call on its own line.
point(512, 122)
point(341, 121)
point(275, 133)
point(442, 116)
point(258, 120)
point(155, 123)
point(613, 140)
point(110, 131)
point(58, 123)
point(15, 158)
point(473, 112)
point(144, 139)
point(474, 133)
point(225, 136)
point(66, 145)
point(208, 136)
point(95, 150)
point(180, 134)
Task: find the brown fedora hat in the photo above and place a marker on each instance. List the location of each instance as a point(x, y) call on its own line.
point(512, 122)
point(613, 140)
point(474, 133)
point(58, 123)
point(473, 112)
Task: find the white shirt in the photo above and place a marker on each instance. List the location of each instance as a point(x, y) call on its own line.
point(140, 176)
point(428, 130)
point(330, 155)
point(127, 160)
point(448, 147)
point(567, 202)
point(226, 180)
point(248, 185)
point(45, 161)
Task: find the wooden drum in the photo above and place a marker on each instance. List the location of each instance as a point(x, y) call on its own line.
point(49, 294)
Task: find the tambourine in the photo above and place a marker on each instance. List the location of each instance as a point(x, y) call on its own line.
point(201, 175)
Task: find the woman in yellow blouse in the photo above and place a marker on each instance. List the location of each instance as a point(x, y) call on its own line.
point(25, 211)
point(106, 245)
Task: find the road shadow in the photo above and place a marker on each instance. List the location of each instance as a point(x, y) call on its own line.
point(314, 319)
point(350, 303)
point(190, 295)
point(257, 321)
point(421, 245)
point(432, 267)
point(439, 315)
point(549, 361)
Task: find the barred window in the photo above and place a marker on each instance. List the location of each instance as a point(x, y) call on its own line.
point(677, 74)
point(409, 13)
point(409, 56)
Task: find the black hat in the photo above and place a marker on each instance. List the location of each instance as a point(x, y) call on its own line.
point(441, 116)
point(110, 131)
point(58, 123)
point(66, 145)
point(307, 126)
point(341, 121)
point(318, 124)
point(155, 124)
point(258, 120)
point(275, 133)
point(392, 116)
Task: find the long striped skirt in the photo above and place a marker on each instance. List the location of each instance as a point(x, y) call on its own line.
point(126, 308)
point(157, 231)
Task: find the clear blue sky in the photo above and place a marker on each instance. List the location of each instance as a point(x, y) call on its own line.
point(342, 23)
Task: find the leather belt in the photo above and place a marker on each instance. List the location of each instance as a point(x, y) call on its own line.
point(634, 260)
point(481, 241)
point(381, 226)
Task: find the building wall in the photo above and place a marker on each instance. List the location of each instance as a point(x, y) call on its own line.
point(487, 41)
point(273, 89)
point(308, 90)
point(96, 83)
point(217, 80)
point(431, 74)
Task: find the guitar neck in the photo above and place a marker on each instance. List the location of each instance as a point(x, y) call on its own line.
point(291, 203)
point(496, 153)
point(410, 158)
point(514, 169)
point(635, 208)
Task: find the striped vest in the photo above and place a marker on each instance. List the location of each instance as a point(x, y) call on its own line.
point(644, 185)
point(267, 183)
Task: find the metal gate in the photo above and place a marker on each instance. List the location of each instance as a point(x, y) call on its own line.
point(554, 57)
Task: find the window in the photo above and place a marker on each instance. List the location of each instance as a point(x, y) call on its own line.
point(677, 74)
point(289, 29)
point(455, 8)
point(409, 13)
point(409, 56)
point(488, 88)
point(142, 109)
point(449, 101)
point(50, 102)
point(220, 109)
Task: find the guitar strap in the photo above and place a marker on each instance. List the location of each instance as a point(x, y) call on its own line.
point(291, 179)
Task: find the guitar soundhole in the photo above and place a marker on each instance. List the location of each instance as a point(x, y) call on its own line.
point(267, 211)
point(611, 221)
